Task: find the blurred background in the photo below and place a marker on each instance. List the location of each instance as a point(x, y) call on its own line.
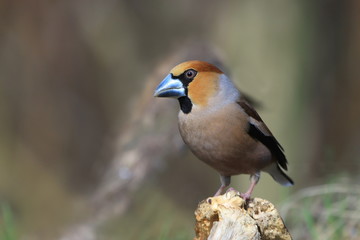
point(86, 152)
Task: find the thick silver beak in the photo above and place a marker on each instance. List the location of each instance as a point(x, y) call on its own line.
point(170, 87)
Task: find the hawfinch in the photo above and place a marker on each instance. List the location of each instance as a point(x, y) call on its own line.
point(221, 128)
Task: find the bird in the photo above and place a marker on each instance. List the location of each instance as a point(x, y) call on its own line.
point(221, 127)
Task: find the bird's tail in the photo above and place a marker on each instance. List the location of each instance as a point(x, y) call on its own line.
point(278, 175)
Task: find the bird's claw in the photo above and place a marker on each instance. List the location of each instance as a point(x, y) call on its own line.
point(246, 196)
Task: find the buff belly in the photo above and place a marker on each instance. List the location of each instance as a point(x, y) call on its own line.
point(221, 141)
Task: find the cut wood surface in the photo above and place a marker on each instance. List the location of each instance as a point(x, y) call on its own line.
point(228, 217)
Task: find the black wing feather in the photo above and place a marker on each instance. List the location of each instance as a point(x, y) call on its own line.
point(268, 140)
point(271, 143)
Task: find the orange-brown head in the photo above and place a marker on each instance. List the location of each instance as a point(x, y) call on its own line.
point(193, 83)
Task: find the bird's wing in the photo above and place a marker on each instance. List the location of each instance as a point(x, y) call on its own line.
point(258, 130)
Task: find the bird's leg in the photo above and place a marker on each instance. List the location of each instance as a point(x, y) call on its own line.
point(225, 181)
point(254, 179)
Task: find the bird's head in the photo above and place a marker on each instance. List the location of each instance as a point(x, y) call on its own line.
point(193, 83)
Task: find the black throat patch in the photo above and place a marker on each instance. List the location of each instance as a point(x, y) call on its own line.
point(185, 104)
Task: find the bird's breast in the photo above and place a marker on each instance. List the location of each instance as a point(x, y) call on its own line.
point(220, 139)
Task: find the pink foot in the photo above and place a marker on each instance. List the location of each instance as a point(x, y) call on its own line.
point(232, 189)
point(220, 191)
point(246, 196)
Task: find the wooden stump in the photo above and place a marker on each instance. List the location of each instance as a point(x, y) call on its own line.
point(227, 217)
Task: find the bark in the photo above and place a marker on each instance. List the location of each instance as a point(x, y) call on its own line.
point(229, 217)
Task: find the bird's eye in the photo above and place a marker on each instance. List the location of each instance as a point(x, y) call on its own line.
point(190, 73)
